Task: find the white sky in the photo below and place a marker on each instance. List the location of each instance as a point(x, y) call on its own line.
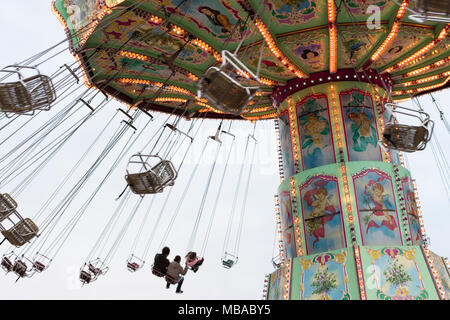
point(28, 28)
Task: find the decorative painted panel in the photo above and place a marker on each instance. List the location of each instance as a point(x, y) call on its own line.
point(321, 277)
point(285, 209)
point(377, 211)
point(316, 140)
point(310, 50)
point(360, 126)
point(322, 214)
point(395, 273)
point(411, 210)
point(275, 289)
point(286, 145)
point(442, 272)
point(289, 242)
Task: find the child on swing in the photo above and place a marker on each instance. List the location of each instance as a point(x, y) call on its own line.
point(193, 261)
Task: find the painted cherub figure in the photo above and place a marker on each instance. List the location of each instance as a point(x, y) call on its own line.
point(314, 128)
point(362, 122)
point(380, 213)
point(318, 216)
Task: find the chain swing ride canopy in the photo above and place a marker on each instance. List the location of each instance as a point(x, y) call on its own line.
point(127, 44)
point(326, 70)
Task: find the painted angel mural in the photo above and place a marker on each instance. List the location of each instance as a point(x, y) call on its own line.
point(376, 206)
point(322, 215)
point(315, 133)
point(360, 127)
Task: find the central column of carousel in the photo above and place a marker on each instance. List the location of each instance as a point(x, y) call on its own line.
point(350, 225)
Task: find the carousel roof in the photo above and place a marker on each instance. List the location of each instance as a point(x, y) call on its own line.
point(136, 50)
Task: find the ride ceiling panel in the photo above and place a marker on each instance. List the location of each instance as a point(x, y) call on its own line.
point(354, 46)
point(271, 67)
point(133, 33)
point(308, 50)
point(409, 38)
point(110, 64)
point(282, 16)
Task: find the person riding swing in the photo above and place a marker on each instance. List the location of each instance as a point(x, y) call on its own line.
point(193, 261)
point(175, 273)
point(161, 263)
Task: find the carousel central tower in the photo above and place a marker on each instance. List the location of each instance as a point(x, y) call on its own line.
point(348, 215)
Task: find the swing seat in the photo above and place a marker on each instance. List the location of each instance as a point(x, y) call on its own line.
point(161, 175)
point(27, 94)
point(133, 266)
point(431, 10)
point(157, 273)
point(229, 260)
point(276, 262)
point(224, 89)
point(171, 280)
point(6, 264)
point(228, 263)
point(39, 266)
point(405, 138)
point(85, 277)
point(21, 233)
point(20, 268)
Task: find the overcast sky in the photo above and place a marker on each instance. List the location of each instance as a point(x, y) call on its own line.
point(28, 28)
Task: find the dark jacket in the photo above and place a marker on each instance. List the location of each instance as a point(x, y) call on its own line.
point(160, 265)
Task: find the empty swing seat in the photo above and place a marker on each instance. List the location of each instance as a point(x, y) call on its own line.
point(21, 233)
point(228, 263)
point(85, 277)
point(6, 264)
point(405, 138)
point(432, 10)
point(132, 266)
point(228, 88)
point(39, 266)
point(154, 180)
point(23, 230)
point(20, 268)
point(229, 260)
point(225, 93)
point(27, 94)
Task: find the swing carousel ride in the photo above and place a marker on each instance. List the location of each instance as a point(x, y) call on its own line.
point(331, 75)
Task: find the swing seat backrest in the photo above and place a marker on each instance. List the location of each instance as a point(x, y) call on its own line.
point(41, 91)
point(14, 97)
point(7, 206)
point(21, 232)
point(6, 264)
point(225, 92)
point(96, 271)
point(165, 172)
point(405, 138)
